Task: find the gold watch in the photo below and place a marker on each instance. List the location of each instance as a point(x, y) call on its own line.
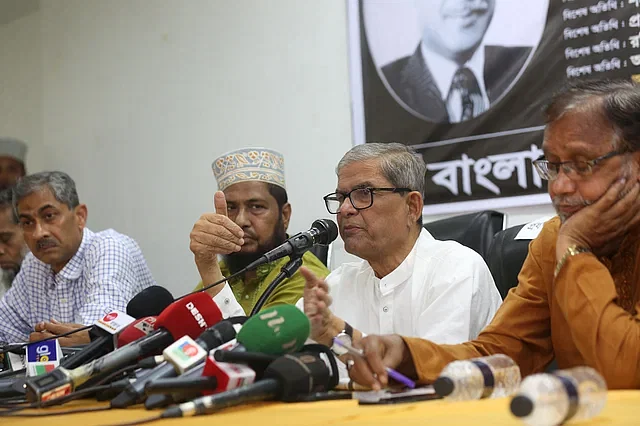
point(572, 250)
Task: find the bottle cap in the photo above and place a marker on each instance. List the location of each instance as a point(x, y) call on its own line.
point(443, 386)
point(521, 406)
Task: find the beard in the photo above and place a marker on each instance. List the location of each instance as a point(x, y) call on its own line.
point(238, 261)
point(6, 277)
point(568, 201)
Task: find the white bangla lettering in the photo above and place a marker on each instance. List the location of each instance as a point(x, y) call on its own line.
point(500, 167)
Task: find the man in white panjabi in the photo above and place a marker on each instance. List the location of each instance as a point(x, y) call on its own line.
point(407, 282)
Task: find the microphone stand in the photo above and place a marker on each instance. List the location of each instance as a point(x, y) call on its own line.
point(287, 271)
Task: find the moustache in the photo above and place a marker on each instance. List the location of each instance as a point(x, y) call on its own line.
point(250, 235)
point(46, 243)
point(568, 201)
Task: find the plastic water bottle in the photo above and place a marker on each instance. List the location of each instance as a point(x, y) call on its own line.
point(565, 395)
point(492, 376)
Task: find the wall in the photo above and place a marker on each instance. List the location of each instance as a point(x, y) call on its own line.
point(135, 99)
point(21, 76)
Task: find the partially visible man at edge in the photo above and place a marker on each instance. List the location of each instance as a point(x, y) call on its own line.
point(578, 290)
point(13, 154)
point(251, 217)
point(12, 246)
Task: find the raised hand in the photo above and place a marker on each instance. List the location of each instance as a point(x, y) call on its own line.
point(214, 234)
point(316, 306)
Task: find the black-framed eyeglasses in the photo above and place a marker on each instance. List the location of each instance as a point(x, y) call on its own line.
point(361, 198)
point(549, 171)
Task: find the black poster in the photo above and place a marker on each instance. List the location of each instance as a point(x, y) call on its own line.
point(465, 82)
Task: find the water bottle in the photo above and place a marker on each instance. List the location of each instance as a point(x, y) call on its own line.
point(551, 399)
point(492, 376)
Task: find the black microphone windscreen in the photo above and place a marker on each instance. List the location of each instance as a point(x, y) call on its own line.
point(300, 373)
point(149, 302)
point(330, 227)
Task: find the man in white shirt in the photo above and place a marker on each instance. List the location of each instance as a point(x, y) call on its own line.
point(406, 280)
point(452, 76)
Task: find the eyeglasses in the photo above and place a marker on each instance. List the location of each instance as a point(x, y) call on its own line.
point(549, 171)
point(361, 198)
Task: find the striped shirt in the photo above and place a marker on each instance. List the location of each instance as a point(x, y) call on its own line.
point(105, 273)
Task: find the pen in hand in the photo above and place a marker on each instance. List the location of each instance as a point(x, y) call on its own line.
point(401, 378)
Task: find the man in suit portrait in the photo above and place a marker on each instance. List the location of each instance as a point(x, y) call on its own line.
point(452, 76)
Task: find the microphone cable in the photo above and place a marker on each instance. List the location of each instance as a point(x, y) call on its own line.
point(16, 346)
point(57, 413)
point(9, 373)
point(224, 279)
point(98, 387)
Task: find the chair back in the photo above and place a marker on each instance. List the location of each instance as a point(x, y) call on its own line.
point(474, 230)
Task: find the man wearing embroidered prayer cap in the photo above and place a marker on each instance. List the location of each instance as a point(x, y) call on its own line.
point(250, 216)
point(13, 153)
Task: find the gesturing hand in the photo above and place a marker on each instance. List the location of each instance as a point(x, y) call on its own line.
point(316, 305)
point(214, 234)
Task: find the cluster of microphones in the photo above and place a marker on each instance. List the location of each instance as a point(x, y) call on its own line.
point(181, 355)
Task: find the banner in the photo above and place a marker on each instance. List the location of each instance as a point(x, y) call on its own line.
point(465, 83)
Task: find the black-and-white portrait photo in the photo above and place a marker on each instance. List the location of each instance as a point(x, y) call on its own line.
point(463, 55)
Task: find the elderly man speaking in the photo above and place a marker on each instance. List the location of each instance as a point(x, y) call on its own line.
point(407, 282)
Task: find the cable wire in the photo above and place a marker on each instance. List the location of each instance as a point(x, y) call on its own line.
point(230, 277)
point(63, 413)
point(99, 386)
point(13, 347)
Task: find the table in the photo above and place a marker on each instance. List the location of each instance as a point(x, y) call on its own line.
point(621, 409)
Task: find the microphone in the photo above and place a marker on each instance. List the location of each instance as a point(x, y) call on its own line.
point(181, 356)
point(286, 379)
point(149, 302)
point(188, 316)
point(278, 330)
point(253, 359)
point(273, 332)
point(183, 388)
point(323, 231)
point(103, 336)
point(136, 330)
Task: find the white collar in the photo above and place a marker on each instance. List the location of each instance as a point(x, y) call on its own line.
point(403, 272)
point(443, 69)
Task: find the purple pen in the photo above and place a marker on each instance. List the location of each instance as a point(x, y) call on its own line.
point(399, 377)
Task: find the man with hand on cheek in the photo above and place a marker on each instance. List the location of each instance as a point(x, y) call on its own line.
point(578, 292)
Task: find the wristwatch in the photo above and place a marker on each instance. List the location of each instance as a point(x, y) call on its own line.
point(346, 336)
point(572, 250)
